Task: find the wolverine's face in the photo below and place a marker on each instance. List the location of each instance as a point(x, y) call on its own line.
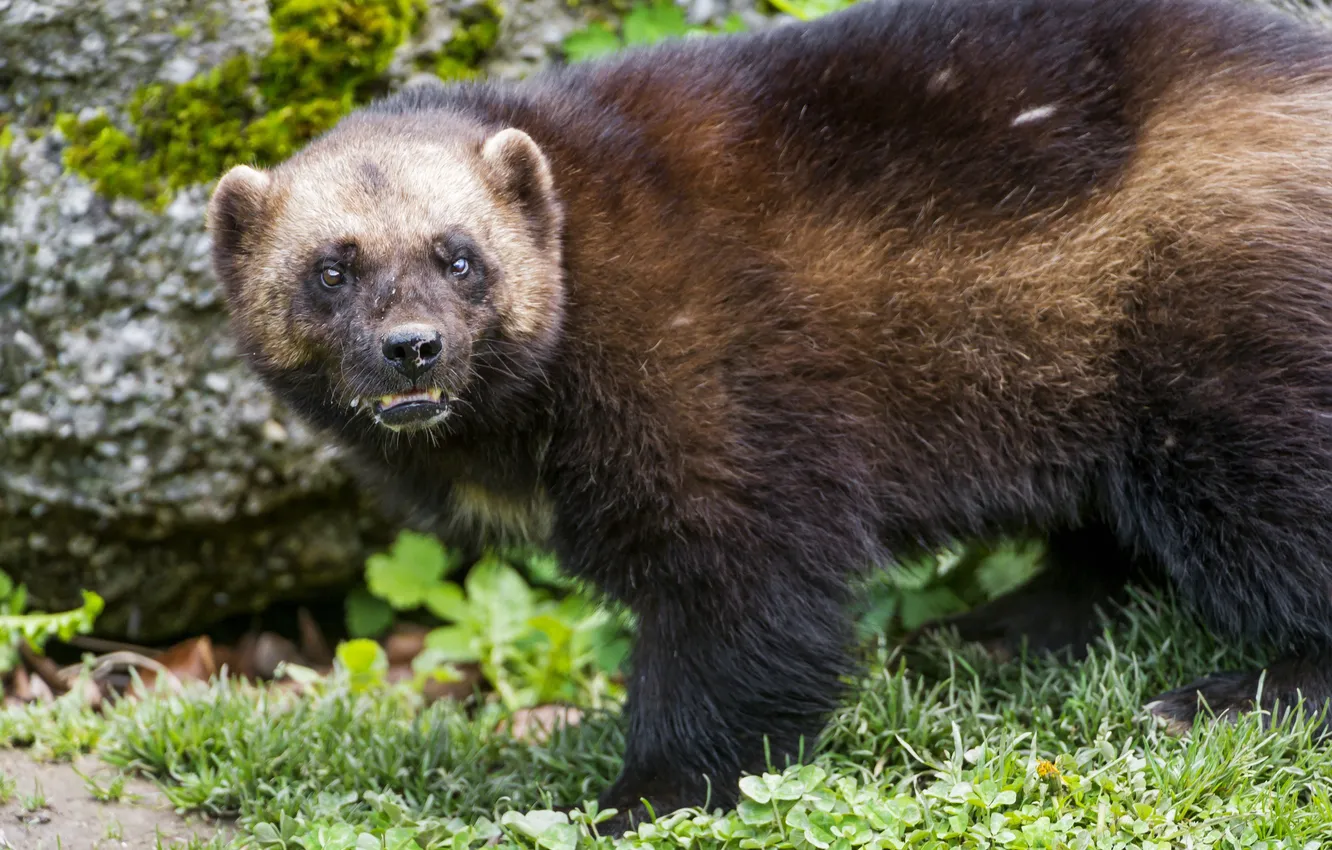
point(410, 267)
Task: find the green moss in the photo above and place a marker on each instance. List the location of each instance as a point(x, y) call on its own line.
point(278, 134)
point(327, 56)
point(8, 170)
point(333, 46)
point(107, 155)
point(474, 35)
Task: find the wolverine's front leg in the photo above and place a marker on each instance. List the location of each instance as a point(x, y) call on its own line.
point(748, 651)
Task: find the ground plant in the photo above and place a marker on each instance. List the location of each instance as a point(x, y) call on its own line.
point(21, 628)
point(940, 747)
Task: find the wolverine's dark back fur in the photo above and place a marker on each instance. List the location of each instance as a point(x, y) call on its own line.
point(843, 133)
point(914, 272)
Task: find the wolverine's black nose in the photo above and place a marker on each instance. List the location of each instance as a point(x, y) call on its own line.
point(412, 349)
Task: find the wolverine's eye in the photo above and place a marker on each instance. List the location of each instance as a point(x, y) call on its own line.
point(460, 267)
point(332, 277)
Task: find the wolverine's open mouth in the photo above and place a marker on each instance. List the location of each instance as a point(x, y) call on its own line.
point(410, 411)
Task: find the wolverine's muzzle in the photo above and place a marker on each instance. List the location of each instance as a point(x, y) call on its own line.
point(413, 349)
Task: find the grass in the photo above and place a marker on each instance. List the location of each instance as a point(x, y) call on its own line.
point(938, 748)
point(34, 801)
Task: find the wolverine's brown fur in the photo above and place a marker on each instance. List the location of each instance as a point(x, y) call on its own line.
point(724, 321)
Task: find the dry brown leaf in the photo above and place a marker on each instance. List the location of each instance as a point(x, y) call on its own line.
point(404, 643)
point(535, 725)
point(46, 669)
point(41, 692)
point(189, 660)
point(113, 668)
point(21, 687)
point(313, 646)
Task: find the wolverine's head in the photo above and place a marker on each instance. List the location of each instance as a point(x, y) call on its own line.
point(403, 265)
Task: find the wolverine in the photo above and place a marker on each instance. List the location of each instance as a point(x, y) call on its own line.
point(724, 321)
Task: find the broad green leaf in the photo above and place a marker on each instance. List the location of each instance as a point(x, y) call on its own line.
point(755, 789)
point(596, 40)
point(754, 813)
point(37, 628)
point(446, 601)
point(266, 833)
point(1008, 566)
point(500, 600)
point(365, 661)
point(413, 565)
point(557, 631)
point(533, 824)
point(807, 10)
point(798, 818)
point(367, 616)
point(400, 838)
point(543, 567)
point(790, 788)
point(920, 607)
point(453, 644)
point(812, 775)
point(733, 23)
point(432, 664)
point(900, 809)
point(336, 837)
point(650, 23)
point(559, 836)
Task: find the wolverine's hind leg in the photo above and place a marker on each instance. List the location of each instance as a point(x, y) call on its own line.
point(1230, 487)
point(1265, 579)
point(1086, 572)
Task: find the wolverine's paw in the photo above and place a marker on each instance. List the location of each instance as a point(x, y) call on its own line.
point(636, 806)
point(625, 820)
point(1227, 696)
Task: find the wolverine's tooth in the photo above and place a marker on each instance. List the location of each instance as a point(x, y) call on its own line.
point(356, 402)
point(435, 394)
point(386, 400)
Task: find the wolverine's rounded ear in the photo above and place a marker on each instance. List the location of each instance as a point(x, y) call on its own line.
point(238, 200)
point(521, 173)
point(236, 207)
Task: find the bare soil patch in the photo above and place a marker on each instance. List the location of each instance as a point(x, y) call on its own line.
point(72, 819)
